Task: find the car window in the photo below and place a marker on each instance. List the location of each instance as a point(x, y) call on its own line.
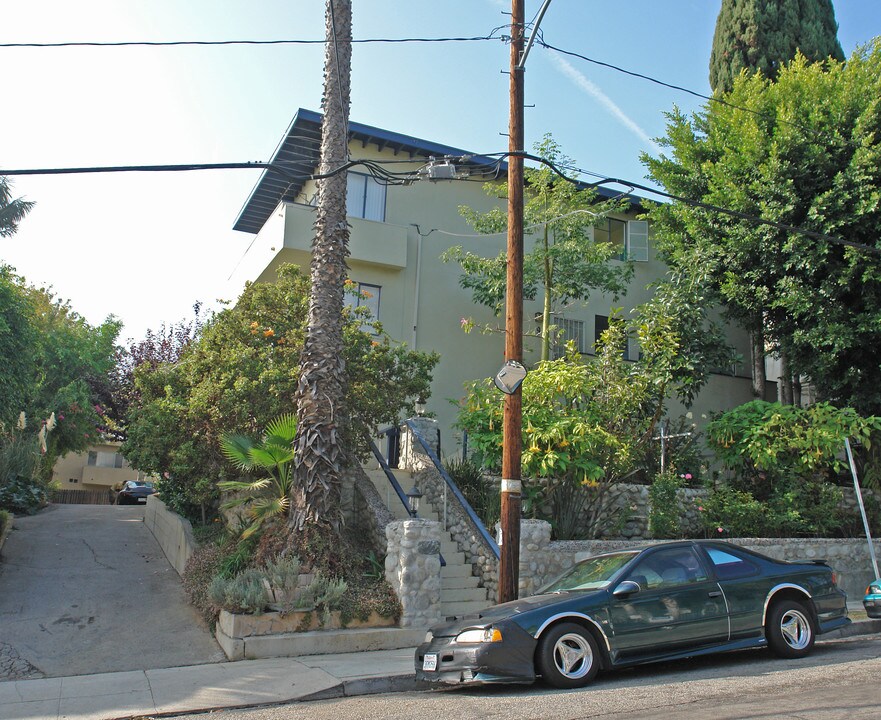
point(668, 568)
point(729, 566)
point(590, 574)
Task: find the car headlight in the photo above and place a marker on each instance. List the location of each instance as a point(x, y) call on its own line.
point(480, 635)
point(428, 637)
point(874, 589)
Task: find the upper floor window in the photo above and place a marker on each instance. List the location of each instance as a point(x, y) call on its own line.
point(365, 197)
point(104, 459)
point(630, 236)
point(365, 295)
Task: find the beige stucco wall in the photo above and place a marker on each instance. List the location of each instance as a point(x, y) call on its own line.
point(422, 221)
point(73, 472)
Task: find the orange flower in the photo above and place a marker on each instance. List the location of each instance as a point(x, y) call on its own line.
point(269, 332)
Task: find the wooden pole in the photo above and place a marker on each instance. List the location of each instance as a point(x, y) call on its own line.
point(512, 439)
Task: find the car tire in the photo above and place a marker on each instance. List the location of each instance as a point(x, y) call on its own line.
point(789, 630)
point(567, 656)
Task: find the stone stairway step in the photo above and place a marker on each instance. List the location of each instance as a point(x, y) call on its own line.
point(464, 581)
point(452, 570)
point(462, 608)
point(457, 558)
point(457, 595)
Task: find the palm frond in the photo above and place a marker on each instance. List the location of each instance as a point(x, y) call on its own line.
point(236, 449)
point(269, 457)
point(284, 428)
point(246, 485)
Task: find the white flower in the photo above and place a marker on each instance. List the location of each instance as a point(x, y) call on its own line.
point(22, 421)
point(50, 423)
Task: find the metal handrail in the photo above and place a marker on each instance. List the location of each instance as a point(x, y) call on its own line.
point(457, 493)
point(396, 486)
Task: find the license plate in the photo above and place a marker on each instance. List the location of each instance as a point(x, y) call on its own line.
point(143, 499)
point(429, 662)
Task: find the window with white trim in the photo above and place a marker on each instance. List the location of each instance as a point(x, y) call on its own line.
point(631, 237)
point(365, 197)
point(566, 330)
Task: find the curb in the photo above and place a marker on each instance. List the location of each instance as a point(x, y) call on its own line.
point(369, 686)
point(857, 627)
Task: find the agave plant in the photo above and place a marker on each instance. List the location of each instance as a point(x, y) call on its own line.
point(266, 497)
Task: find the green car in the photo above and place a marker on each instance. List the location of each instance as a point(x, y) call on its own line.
point(872, 600)
point(663, 602)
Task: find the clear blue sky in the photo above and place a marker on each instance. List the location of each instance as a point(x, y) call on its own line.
point(145, 247)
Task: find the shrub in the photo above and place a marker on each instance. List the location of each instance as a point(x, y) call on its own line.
point(243, 593)
point(483, 496)
point(733, 513)
point(665, 509)
point(202, 566)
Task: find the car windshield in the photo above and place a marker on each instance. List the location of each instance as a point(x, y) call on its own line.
point(591, 574)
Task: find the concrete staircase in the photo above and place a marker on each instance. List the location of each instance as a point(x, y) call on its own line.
point(460, 593)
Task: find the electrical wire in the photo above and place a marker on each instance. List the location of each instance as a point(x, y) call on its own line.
point(375, 168)
point(203, 43)
point(709, 98)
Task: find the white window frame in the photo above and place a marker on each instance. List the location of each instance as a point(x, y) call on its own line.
point(637, 248)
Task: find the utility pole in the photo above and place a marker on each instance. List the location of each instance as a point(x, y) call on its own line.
point(512, 437)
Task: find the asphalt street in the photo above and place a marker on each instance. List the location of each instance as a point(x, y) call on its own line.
point(839, 680)
point(87, 589)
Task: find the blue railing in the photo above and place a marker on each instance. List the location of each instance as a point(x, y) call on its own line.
point(396, 486)
point(466, 506)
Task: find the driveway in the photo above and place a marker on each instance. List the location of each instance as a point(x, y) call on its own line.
point(86, 589)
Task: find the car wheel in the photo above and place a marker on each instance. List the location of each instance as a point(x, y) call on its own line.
point(567, 656)
point(789, 630)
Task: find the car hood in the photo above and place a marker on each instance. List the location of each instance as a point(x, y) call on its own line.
point(514, 611)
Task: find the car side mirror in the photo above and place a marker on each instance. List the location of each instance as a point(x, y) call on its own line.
point(625, 589)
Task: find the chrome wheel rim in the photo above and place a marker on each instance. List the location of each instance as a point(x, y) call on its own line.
point(796, 629)
point(573, 656)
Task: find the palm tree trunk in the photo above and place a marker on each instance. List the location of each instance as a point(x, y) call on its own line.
point(320, 395)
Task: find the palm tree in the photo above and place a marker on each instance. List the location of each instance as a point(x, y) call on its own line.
point(274, 455)
point(11, 211)
point(321, 388)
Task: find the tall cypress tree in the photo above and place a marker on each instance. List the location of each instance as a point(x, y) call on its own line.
point(763, 35)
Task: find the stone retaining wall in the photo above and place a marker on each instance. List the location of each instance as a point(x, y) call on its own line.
point(541, 560)
point(173, 533)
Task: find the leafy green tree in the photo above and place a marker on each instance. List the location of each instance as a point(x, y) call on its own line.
point(53, 361)
point(12, 210)
point(764, 35)
point(564, 264)
point(18, 346)
point(807, 155)
point(242, 371)
point(587, 422)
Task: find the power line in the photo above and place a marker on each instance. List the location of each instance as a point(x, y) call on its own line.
point(694, 93)
point(203, 43)
point(375, 168)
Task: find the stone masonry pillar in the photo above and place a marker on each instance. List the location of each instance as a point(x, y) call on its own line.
point(412, 567)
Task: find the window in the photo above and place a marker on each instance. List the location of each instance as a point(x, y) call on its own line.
point(730, 566)
point(93, 458)
point(365, 197)
point(73, 480)
point(637, 241)
point(365, 295)
point(630, 237)
point(668, 568)
point(600, 325)
point(568, 330)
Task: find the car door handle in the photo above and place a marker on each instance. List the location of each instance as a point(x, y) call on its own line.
point(714, 594)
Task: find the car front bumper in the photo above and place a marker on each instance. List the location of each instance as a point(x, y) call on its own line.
point(508, 661)
point(872, 604)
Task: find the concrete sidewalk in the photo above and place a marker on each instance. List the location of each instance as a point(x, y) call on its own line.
point(173, 691)
point(245, 683)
